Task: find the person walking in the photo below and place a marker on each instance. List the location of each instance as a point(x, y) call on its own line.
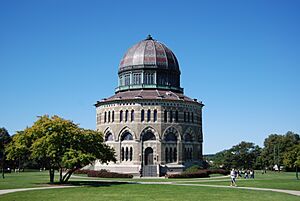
point(233, 175)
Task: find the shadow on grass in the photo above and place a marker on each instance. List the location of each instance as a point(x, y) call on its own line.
point(95, 183)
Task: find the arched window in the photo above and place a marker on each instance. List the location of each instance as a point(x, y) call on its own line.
point(148, 115)
point(126, 136)
point(130, 154)
point(167, 155)
point(142, 115)
point(126, 154)
point(109, 116)
point(122, 154)
point(105, 117)
point(176, 116)
point(170, 137)
point(148, 136)
point(108, 137)
point(165, 115)
point(126, 115)
point(113, 116)
point(171, 116)
point(188, 138)
point(132, 115)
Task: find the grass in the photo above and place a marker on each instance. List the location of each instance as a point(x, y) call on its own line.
point(282, 180)
point(107, 189)
point(134, 192)
point(24, 180)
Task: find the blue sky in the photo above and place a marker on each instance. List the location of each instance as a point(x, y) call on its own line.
point(241, 58)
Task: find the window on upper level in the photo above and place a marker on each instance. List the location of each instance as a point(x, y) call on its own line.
point(127, 79)
point(126, 115)
point(155, 115)
point(192, 117)
point(176, 116)
point(121, 80)
point(142, 115)
point(171, 116)
point(109, 116)
point(113, 116)
point(149, 78)
point(137, 78)
point(149, 115)
point(121, 115)
point(165, 115)
point(132, 115)
point(105, 117)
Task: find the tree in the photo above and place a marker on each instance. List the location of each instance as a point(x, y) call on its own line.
point(4, 140)
point(291, 158)
point(242, 156)
point(60, 144)
point(276, 145)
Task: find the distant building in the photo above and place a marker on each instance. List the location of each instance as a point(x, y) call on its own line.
point(151, 124)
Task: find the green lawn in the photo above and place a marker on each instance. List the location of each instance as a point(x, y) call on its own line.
point(109, 190)
point(134, 192)
point(282, 180)
point(24, 180)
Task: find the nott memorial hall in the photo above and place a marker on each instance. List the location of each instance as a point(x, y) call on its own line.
point(154, 128)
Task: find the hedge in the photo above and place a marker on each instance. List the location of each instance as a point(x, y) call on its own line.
point(198, 174)
point(103, 174)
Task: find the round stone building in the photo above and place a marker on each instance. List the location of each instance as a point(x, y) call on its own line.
point(154, 128)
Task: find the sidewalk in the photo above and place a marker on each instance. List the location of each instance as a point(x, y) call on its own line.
point(5, 191)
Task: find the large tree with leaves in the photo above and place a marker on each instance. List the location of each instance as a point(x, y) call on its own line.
point(4, 140)
point(291, 158)
point(275, 146)
point(243, 156)
point(60, 144)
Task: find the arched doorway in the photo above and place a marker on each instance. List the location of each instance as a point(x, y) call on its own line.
point(148, 156)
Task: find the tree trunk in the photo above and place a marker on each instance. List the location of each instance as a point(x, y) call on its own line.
point(60, 175)
point(67, 176)
point(51, 174)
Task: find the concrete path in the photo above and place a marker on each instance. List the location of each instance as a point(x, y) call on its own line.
point(5, 191)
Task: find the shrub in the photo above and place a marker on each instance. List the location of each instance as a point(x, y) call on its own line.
point(194, 168)
point(103, 173)
point(106, 174)
point(198, 173)
point(80, 171)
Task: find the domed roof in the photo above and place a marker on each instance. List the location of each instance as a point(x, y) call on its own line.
point(149, 53)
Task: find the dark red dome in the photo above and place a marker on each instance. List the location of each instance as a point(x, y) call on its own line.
point(149, 53)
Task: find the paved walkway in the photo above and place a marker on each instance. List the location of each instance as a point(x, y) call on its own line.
point(5, 191)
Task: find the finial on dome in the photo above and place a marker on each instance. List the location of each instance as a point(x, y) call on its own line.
point(149, 37)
